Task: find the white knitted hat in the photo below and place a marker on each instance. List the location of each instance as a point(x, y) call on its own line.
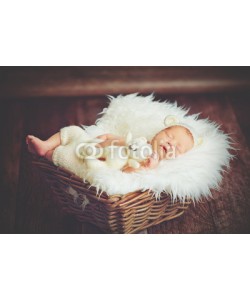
point(174, 121)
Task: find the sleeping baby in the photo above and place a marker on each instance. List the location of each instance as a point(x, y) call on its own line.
point(174, 140)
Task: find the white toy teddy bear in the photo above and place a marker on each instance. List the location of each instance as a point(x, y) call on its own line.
point(116, 157)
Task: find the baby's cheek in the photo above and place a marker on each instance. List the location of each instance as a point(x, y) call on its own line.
point(171, 154)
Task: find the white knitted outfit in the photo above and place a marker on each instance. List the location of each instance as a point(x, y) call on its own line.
point(64, 155)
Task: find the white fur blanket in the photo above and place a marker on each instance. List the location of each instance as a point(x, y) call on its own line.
point(192, 175)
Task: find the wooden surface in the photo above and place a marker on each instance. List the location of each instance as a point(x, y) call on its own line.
point(27, 204)
point(26, 82)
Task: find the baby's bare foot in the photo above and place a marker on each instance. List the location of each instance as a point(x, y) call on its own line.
point(37, 146)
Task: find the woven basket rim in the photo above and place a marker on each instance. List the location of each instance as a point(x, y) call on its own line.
point(117, 213)
point(90, 189)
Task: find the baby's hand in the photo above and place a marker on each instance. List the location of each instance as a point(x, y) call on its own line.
point(152, 162)
point(110, 140)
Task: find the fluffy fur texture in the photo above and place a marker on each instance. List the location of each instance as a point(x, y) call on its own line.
point(192, 175)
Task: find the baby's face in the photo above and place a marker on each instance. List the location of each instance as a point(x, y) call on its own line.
point(175, 139)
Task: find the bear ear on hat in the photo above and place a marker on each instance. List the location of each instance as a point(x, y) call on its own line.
point(171, 120)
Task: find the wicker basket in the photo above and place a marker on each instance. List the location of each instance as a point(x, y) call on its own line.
point(128, 213)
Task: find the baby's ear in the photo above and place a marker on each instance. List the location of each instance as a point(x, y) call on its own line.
point(171, 120)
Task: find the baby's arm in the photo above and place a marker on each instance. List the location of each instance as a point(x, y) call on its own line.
point(110, 139)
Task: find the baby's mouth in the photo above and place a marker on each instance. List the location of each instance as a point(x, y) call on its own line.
point(163, 151)
point(164, 148)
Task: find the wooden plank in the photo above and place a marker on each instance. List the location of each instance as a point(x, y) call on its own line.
point(24, 82)
point(230, 207)
point(11, 128)
point(241, 107)
point(36, 211)
point(35, 199)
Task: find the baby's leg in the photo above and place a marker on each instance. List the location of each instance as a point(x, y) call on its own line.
point(37, 146)
point(49, 155)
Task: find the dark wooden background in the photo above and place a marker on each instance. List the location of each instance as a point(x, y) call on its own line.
point(41, 100)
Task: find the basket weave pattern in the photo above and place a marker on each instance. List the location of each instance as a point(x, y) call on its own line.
point(128, 213)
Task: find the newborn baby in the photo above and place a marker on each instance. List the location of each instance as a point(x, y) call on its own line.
point(167, 144)
point(174, 140)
